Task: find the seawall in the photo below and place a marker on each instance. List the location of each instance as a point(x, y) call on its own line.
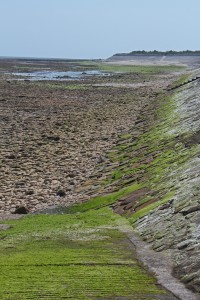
point(173, 227)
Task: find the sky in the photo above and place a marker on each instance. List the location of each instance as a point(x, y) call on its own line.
point(96, 28)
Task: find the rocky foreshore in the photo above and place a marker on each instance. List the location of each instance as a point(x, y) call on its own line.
point(53, 135)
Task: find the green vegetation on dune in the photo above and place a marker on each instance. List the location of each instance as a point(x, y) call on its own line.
point(76, 256)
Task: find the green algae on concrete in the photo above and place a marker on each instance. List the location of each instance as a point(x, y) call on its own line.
point(72, 256)
point(149, 159)
point(104, 200)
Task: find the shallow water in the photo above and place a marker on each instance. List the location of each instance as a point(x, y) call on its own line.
point(57, 75)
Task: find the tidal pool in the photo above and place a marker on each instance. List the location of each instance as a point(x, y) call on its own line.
point(58, 75)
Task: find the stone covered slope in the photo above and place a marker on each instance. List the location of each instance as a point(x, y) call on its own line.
point(174, 225)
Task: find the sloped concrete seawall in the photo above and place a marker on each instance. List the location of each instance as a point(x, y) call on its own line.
point(156, 59)
point(174, 227)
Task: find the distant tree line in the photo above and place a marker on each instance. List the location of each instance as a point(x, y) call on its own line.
point(155, 52)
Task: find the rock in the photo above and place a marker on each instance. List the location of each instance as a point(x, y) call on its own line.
point(4, 226)
point(189, 277)
point(11, 156)
point(184, 244)
point(61, 193)
point(29, 193)
point(21, 210)
point(190, 210)
point(101, 159)
point(53, 138)
point(195, 139)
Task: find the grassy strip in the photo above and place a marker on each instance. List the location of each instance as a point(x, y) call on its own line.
point(79, 256)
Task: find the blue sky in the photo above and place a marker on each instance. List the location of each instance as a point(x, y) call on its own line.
point(96, 28)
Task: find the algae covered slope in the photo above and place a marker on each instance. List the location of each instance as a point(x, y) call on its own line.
point(77, 256)
point(166, 211)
